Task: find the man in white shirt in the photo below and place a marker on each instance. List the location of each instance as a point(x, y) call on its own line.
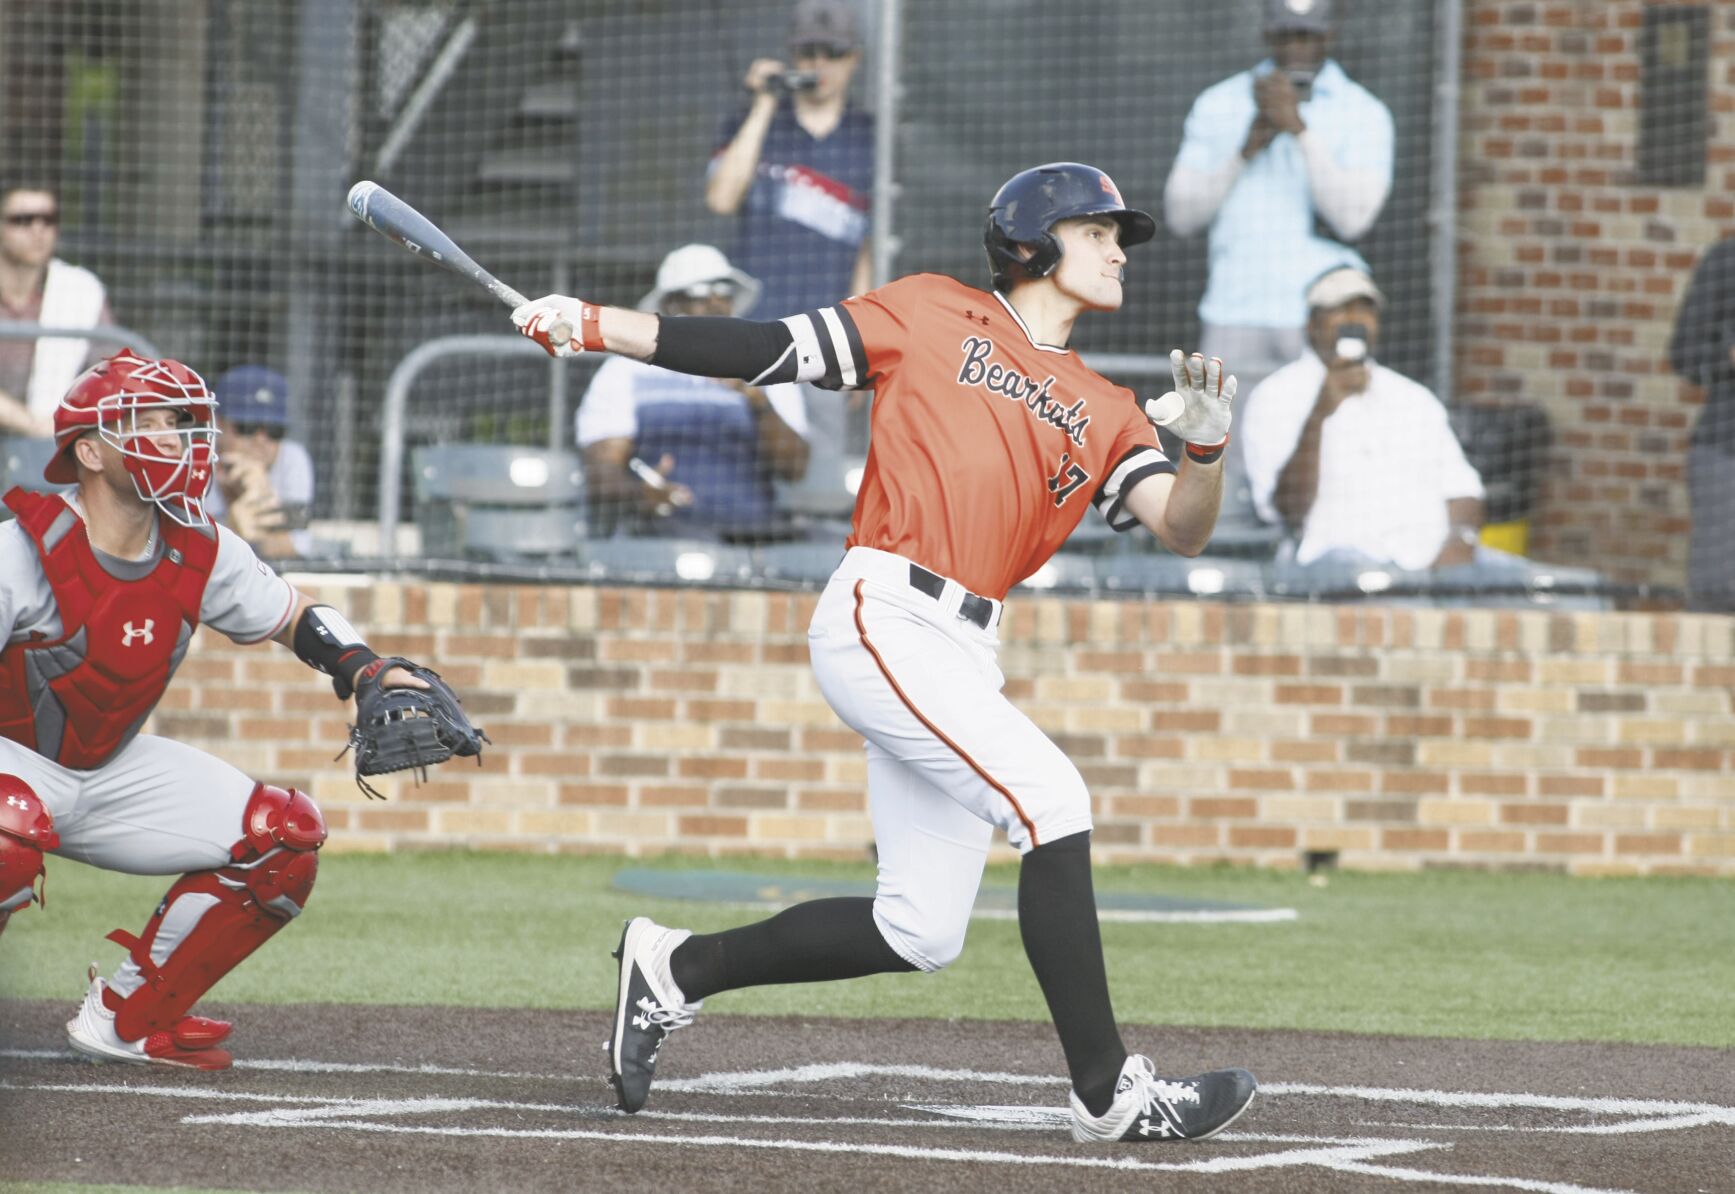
point(692, 457)
point(1266, 156)
point(1357, 460)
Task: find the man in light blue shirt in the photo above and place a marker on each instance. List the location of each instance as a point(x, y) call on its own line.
point(1267, 158)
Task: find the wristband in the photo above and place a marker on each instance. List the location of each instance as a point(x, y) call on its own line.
point(1204, 455)
point(590, 327)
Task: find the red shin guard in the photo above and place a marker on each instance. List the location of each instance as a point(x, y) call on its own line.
point(210, 921)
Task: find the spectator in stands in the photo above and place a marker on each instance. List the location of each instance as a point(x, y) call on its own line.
point(718, 444)
point(796, 169)
point(1266, 157)
point(1358, 461)
point(1702, 350)
point(38, 287)
point(264, 489)
point(797, 166)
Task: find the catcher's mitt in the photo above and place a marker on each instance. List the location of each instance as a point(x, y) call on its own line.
point(407, 729)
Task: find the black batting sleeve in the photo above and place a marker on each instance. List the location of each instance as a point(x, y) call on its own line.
point(822, 347)
point(718, 346)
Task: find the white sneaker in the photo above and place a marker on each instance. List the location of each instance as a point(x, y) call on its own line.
point(92, 1032)
point(648, 1006)
point(1149, 1108)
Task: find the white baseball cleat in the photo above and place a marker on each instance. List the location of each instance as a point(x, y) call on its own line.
point(1149, 1108)
point(92, 1032)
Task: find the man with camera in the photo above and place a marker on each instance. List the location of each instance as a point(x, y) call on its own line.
point(1356, 459)
point(796, 167)
point(1267, 157)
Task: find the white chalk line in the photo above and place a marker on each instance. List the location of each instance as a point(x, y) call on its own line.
point(319, 1067)
point(742, 1081)
point(1330, 1156)
point(755, 1081)
point(1346, 1155)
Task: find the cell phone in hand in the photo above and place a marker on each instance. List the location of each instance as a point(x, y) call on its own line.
point(294, 515)
point(1352, 343)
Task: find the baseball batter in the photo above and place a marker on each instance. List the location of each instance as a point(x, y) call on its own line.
point(100, 591)
point(990, 438)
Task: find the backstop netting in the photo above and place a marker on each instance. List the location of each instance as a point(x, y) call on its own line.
point(198, 153)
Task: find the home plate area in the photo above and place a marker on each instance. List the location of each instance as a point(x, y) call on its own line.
point(326, 1097)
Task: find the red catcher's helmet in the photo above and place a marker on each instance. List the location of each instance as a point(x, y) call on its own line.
point(26, 830)
point(109, 396)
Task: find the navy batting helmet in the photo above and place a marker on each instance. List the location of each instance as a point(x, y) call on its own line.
point(1033, 201)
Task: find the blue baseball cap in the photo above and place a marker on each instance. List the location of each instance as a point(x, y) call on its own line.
point(253, 394)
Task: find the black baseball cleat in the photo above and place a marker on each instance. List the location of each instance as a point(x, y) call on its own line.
point(648, 1007)
point(1149, 1108)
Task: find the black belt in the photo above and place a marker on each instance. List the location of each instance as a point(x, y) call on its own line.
point(979, 611)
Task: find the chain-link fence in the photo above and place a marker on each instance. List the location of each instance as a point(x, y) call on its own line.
point(197, 153)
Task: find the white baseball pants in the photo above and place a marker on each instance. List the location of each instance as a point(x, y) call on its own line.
point(949, 757)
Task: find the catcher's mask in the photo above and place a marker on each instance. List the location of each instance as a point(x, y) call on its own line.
point(110, 396)
point(1032, 202)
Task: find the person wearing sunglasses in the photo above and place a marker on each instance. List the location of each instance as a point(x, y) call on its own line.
point(38, 287)
point(796, 167)
point(264, 479)
point(669, 454)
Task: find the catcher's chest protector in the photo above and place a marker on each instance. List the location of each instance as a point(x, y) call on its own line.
point(82, 697)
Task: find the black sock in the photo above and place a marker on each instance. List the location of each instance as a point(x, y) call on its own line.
point(809, 943)
point(1057, 919)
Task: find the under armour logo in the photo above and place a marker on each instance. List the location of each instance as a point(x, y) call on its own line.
point(641, 1022)
point(981, 319)
point(143, 632)
point(1163, 1130)
point(18, 802)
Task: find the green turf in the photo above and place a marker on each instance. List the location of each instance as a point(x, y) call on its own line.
point(1522, 956)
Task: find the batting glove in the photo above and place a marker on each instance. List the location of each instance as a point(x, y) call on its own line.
point(551, 321)
point(1197, 409)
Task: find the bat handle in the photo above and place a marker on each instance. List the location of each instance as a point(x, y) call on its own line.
point(559, 334)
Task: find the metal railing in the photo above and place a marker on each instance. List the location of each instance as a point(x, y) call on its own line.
point(393, 420)
point(108, 333)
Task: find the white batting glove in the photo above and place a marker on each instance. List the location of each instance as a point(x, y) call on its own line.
point(551, 322)
point(1197, 409)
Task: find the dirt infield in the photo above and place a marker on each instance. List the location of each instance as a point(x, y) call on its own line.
point(330, 1097)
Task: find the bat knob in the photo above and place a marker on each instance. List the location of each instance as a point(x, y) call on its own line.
point(359, 195)
point(560, 333)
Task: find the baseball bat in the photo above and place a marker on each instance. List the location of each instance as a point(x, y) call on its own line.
point(403, 225)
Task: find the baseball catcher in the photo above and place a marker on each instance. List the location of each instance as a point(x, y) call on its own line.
point(101, 590)
point(991, 441)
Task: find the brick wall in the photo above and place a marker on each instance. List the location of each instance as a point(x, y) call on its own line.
point(1571, 273)
point(646, 721)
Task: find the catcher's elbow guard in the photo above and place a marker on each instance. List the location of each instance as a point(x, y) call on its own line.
point(26, 830)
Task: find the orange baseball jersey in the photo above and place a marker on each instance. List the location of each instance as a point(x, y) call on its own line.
point(986, 446)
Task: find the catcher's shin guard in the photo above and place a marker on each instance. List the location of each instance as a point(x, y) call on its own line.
point(26, 830)
point(212, 920)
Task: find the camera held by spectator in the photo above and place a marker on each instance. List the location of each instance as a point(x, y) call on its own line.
point(791, 81)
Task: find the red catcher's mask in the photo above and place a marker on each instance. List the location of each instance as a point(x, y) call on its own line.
point(110, 396)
